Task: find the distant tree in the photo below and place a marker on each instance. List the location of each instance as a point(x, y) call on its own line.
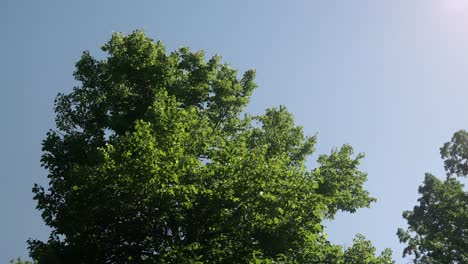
point(362, 252)
point(438, 226)
point(152, 162)
point(19, 260)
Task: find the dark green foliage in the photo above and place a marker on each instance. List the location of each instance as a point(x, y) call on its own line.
point(153, 163)
point(438, 226)
point(455, 154)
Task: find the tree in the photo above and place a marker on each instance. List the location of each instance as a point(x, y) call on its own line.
point(152, 162)
point(19, 260)
point(362, 252)
point(438, 226)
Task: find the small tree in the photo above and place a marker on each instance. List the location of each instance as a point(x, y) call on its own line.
point(19, 260)
point(152, 162)
point(362, 252)
point(438, 226)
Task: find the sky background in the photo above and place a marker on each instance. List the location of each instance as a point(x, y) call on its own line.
point(387, 77)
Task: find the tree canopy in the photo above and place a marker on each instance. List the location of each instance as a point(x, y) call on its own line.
point(153, 161)
point(438, 226)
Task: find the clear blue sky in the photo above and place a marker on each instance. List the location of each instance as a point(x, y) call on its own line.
point(388, 77)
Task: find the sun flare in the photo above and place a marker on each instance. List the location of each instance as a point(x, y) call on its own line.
point(455, 7)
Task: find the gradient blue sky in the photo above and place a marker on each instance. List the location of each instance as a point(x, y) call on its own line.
point(388, 77)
